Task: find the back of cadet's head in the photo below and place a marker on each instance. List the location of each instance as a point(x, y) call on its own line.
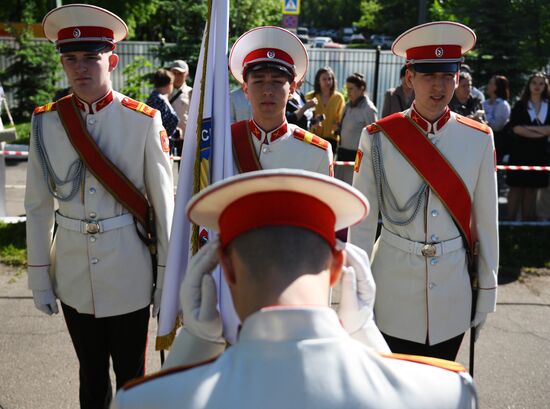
point(282, 250)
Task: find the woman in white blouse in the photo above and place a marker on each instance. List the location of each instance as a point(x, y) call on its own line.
point(530, 124)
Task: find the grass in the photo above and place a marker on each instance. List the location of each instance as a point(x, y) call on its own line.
point(523, 249)
point(23, 133)
point(13, 247)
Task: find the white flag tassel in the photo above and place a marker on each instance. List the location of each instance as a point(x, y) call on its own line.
point(207, 157)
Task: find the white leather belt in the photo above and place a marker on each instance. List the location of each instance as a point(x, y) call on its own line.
point(419, 248)
point(94, 226)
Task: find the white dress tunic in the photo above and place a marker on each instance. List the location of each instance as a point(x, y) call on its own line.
point(108, 273)
point(300, 358)
point(420, 297)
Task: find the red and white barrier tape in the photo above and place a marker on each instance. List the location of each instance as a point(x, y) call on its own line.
point(336, 163)
point(515, 167)
point(499, 167)
point(344, 163)
point(14, 153)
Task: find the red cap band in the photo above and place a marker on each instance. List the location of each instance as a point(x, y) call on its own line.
point(273, 55)
point(85, 33)
point(277, 209)
point(431, 52)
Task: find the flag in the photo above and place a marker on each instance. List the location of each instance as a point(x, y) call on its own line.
point(207, 157)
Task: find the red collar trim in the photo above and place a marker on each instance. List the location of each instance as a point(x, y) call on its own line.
point(270, 136)
point(95, 106)
point(426, 125)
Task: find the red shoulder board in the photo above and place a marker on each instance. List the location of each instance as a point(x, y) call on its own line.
point(436, 362)
point(138, 106)
point(373, 128)
point(473, 124)
point(310, 138)
point(358, 159)
point(52, 106)
point(166, 372)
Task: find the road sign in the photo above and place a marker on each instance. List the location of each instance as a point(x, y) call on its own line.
point(291, 7)
point(290, 21)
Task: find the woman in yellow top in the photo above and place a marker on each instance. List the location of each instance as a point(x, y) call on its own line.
point(330, 103)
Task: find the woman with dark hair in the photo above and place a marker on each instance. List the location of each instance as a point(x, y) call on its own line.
point(497, 111)
point(329, 108)
point(358, 113)
point(530, 124)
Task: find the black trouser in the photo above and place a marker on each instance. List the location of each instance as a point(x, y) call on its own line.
point(444, 350)
point(121, 337)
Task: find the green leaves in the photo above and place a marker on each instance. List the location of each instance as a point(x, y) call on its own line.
point(137, 75)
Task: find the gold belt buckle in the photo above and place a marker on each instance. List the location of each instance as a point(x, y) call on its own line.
point(92, 227)
point(428, 250)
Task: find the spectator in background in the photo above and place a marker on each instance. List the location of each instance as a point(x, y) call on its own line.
point(463, 102)
point(359, 112)
point(399, 98)
point(298, 110)
point(474, 91)
point(530, 124)
point(497, 112)
point(62, 92)
point(330, 105)
point(239, 106)
point(181, 95)
point(163, 81)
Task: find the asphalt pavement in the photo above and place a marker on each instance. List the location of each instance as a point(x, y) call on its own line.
point(38, 366)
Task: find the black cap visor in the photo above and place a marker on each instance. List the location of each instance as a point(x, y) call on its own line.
point(88, 46)
point(270, 65)
point(427, 68)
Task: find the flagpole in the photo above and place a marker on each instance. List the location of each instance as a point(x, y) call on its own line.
point(200, 178)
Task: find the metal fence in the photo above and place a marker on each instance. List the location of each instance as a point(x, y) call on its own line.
point(343, 62)
point(126, 50)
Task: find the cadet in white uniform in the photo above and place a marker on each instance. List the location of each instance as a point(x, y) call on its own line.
point(269, 62)
point(293, 351)
point(423, 303)
point(96, 264)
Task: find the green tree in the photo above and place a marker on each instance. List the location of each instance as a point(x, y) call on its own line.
point(329, 14)
point(137, 79)
point(369, 10)
point(396, 16)
point(246, 14)
point(513, 38)
point(32, 73)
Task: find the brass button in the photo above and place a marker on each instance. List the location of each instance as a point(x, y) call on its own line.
point(428, 250)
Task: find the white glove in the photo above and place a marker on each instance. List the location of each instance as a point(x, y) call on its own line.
point(357, 299)
point(198, 295)
point(157, 295)
point(478, 323)
point(45, 301)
